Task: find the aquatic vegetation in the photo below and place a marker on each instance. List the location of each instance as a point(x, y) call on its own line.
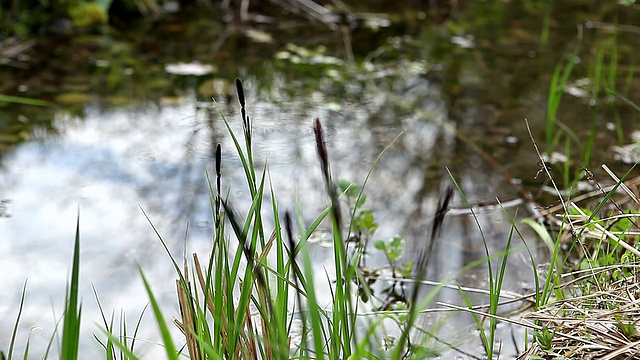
point(324, 332)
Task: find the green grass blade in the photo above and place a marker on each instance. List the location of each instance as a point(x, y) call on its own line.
point(137, 328)
point(72, 313)
point(475, 217)
point(282, 272)
point(536, 278)
point(609, 194)
point(172, 353)
point(556, 90)
point(26, 349)
point(552, 106)
point(555, 263)
point(209, 350)
point(108, 346)
point(15, 325)
point(494, 283)
point(25, 101)
point(366, 178)
point(164, 244)
point(314, 318)
point(483, 333)
point(123, 348)
point(51, 339)
point(243, 158)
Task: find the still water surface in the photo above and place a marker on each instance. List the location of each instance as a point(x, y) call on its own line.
point(108, 164)
point(113, 164)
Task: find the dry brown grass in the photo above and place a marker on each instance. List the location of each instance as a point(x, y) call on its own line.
point(599, 317)
point(598, 325)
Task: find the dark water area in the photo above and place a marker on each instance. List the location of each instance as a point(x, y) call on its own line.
point(129, 123)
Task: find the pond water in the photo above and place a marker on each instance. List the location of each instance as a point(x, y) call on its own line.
point(135, 130)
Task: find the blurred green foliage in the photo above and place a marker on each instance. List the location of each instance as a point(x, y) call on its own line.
point(19, 18)
point(69, 17)
point(87, 14)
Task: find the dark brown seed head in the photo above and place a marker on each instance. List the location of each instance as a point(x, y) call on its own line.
point(240, 92)
point(443, 207)
point(324, 164)
point(438, 220)
point(322, 148)
point(288, 227)
point(218, 160)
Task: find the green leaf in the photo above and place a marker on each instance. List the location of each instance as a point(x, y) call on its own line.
point(405, 270)
point(367, 222)
point(344, 184)
point(396, 248)
point(380, 245)
point(397, 242)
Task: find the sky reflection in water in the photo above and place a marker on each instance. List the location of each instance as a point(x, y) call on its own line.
point(113, 163)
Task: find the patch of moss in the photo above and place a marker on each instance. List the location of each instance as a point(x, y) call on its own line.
point(87, 14)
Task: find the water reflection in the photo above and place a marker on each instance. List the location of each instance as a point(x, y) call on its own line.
point(113, 163)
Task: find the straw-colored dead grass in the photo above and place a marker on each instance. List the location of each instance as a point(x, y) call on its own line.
point(600, 319)
point(599, 325)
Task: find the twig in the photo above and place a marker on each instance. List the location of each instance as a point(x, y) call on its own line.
point(546, 171)
point(522, 323)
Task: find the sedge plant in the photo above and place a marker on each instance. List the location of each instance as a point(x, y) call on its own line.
point(242, 305)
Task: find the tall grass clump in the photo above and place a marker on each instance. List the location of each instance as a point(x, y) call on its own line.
point(257, 290)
